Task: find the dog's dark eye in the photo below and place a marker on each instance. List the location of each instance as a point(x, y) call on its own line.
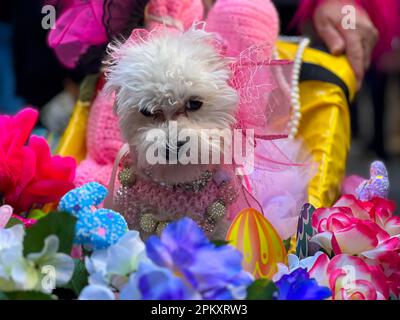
point(193, 105)
point(146, 113)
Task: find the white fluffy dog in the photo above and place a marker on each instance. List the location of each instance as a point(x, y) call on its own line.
point(170, 77)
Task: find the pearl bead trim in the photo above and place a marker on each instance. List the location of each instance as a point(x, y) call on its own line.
point(294, 122)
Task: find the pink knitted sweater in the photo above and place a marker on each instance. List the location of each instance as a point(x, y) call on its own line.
point(103, 142)
point(243, 23)
point(167, 204)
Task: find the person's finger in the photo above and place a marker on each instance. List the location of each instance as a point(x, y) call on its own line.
point(370, 38)
point(355, 53)
point(331, 36)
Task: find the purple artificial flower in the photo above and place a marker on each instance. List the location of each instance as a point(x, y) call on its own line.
point(213, 272)
point(298, 286)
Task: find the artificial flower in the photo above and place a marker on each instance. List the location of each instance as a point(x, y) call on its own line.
point(350, 278)
point(26, 273)
point(96, 292)
point(354, 227)
point(53, 177)
point(15, 271)
point(16, 160)
point(152, 282)
point(295, 263)
point(11, 237)
point(49, 256)
point(183, 264)
point(29, 175)
point(214, 272)
point(112, 267)
point(381, 212)
point(299, 286)
point(5, 215)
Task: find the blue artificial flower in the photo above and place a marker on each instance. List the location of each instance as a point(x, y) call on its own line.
point(213, 272)
point(298, 286)
point(156, 283)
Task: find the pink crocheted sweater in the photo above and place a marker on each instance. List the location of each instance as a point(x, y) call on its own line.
point(167, 204)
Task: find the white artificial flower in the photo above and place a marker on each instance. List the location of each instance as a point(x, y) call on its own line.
point(15, 272)
point(125, 256)
point(50, 257)
point(112, 267)
point(114, 264)
point(96, 292)
point(20, 273)
point(96, 265)
point(11, 237)
point(295, 263)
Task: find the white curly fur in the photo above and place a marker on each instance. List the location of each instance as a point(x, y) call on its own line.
point(160, 74)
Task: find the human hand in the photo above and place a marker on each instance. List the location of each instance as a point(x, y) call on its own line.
point(358, 43)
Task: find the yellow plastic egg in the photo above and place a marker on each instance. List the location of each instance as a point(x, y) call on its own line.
point(258, 241)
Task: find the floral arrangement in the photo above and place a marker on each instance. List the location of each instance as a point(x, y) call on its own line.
point(181, 264)
point(83, 251)
point(364, 237)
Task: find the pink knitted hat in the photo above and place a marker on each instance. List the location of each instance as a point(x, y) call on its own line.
point(243, 23)
point(178, 14)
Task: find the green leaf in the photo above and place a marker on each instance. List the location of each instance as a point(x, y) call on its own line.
point(12, 222)
point(220, 243)
point(262, 289)
point(287, 243)
point(60, 224)
point(36, 214)
point(79, 279)
point(26, 295)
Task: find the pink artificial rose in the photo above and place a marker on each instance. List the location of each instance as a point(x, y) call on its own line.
point(354, 227)
point(350, 278)
point(381, 211)
point(367, 230)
